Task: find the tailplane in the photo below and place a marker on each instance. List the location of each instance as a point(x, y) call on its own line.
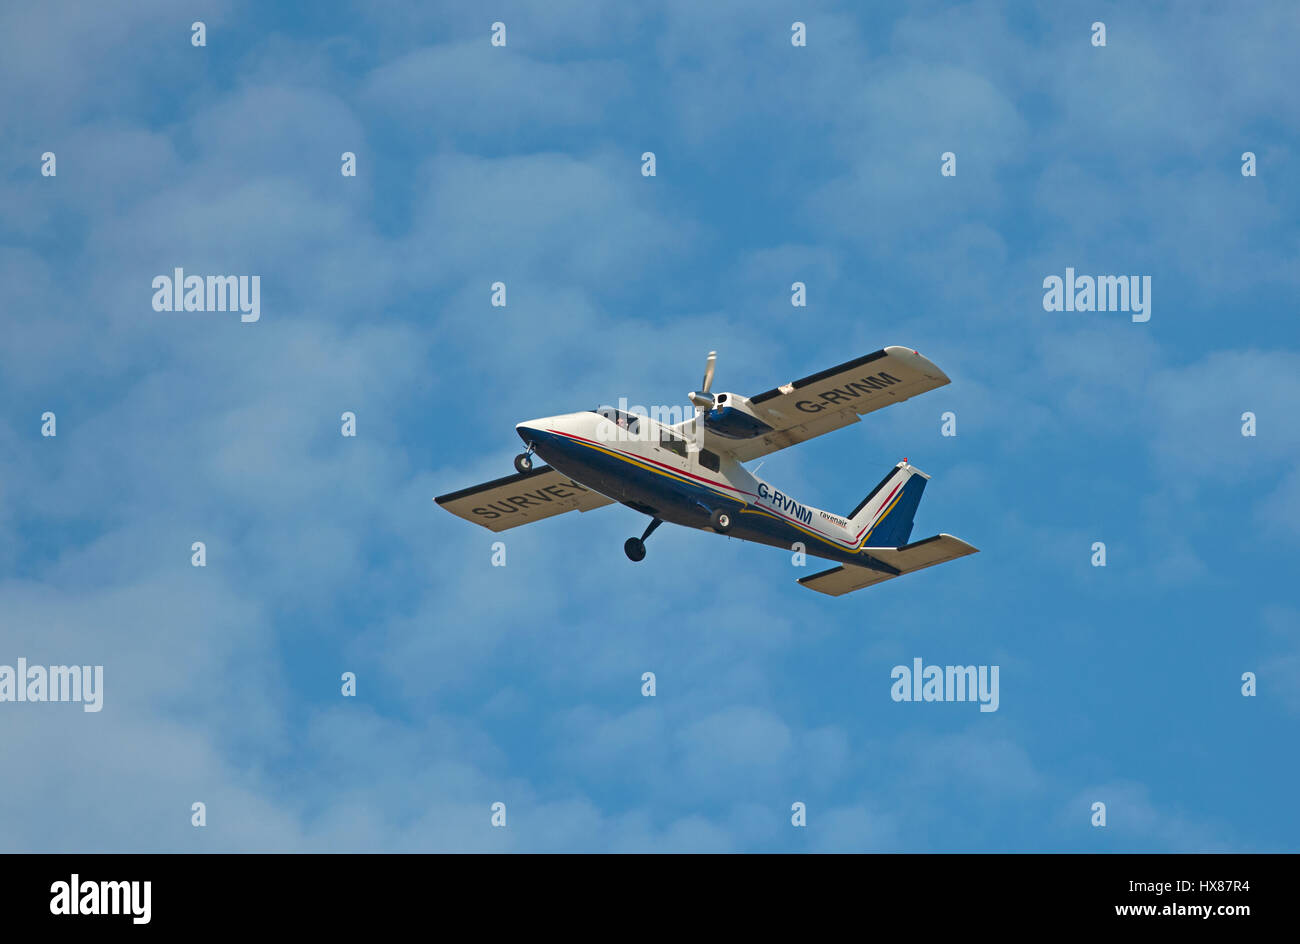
point(882, 528)
point(888, 563)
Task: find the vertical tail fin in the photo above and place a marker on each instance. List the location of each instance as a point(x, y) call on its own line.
point(884, 518)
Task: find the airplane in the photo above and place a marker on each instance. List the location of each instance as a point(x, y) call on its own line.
point(692, 472)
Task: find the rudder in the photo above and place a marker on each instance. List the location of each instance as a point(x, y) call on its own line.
point(884, 517)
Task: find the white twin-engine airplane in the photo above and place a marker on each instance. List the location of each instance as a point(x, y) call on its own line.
point(690, 473)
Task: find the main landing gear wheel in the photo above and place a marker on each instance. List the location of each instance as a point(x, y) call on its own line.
point(634, 548)
point(523, 462)
point(720, 521)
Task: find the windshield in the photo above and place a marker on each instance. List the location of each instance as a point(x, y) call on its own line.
point(627, 421)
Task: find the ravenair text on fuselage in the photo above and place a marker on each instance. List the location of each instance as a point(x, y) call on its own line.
point(691, 472)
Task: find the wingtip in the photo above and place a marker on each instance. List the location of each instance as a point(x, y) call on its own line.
point(919, 362)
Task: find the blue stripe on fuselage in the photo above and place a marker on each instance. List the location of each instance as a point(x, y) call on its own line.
point(681, 500)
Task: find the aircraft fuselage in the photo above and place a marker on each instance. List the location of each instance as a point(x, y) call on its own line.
point(656, 470)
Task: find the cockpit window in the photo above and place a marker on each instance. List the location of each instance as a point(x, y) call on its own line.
point(627, 421)
point(710, 460)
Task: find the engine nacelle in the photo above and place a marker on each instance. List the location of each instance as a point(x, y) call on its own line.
point(734, 417)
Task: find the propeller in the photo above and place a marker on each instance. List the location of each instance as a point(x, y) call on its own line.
point(703, 399)
point(709, 364)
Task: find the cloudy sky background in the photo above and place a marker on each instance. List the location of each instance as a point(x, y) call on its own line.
point(522, 164)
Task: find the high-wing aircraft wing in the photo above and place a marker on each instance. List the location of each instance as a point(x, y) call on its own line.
point(518, 499)
point(825, 401)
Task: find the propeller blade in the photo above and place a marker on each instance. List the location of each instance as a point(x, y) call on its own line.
point(708, 371)
point(703, 401)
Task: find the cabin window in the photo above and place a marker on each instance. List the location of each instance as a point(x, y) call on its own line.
point(710, 460)
point(672, 442)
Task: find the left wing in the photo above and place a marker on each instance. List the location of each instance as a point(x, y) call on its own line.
point(817, 404)
point(518, 499)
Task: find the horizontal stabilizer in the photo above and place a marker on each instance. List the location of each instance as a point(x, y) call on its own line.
point(518, 499)
point(905, 560)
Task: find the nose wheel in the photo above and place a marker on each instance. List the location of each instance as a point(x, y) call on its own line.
point(634, 548)
point(524, 461)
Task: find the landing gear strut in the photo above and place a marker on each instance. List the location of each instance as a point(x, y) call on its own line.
point(634, 548)
point(524, 461)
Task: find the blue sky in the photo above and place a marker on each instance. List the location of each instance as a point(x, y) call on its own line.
point(522, 164)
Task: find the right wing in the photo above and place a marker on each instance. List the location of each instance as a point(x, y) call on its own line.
point(904, 560)
point(518, 499)
point(825, 401)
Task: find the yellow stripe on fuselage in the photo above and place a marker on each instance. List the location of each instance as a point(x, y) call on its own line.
point(748, 509)
point(651, 468)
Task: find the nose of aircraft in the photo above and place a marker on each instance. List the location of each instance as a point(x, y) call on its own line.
point(542, 426)
point(528, 430)
point(544, 429)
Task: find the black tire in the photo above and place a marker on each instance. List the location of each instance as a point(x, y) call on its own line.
point(523, 462)
point(720, 521)
point(634, 548)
